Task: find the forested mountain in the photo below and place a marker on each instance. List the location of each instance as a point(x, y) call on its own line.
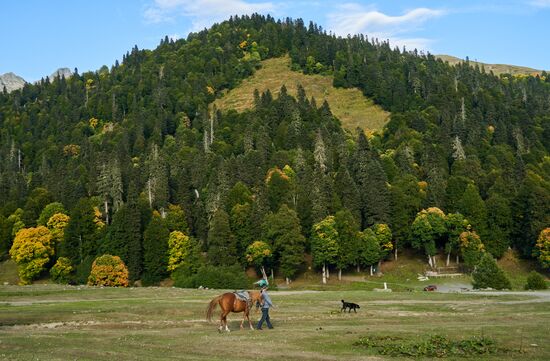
point(143, 170)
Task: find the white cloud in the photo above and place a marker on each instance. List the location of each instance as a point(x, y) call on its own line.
point(353, 19)
point(540, 3)
point(202, 12)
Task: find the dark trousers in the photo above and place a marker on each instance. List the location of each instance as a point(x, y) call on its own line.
point(265, 317)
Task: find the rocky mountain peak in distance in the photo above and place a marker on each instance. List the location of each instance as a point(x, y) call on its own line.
point(11, 81)
point(66, 72)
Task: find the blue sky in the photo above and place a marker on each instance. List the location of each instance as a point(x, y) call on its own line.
point(37, 37)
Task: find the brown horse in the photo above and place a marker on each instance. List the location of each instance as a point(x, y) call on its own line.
point(230, 303)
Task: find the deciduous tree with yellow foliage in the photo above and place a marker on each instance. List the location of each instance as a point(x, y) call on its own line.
point(57, 224)
point(542, 248)
point(182, 251)
point(109, 271)
point(31, 250)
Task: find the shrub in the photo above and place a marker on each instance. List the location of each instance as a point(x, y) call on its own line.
point(232, 277)
point(109, 271)
point(61, 270)
point(488, 274)
point(535, 281)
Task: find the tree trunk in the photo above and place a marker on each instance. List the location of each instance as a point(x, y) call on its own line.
point(430, 261)
point(106, 211)
point(379, 266)
point(448, 259)
point(434, 261)
point(358, 268)
point(287, 280)
point(324, 274)
point(457, 259)
point(395, 253)
point(272, 274)
point(150, 193)
point(339, 274)
point(371, 270)
point(328, 272)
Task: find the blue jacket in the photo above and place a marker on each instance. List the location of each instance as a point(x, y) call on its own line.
point(267, 300)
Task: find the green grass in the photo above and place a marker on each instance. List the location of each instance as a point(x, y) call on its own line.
point(62, 322)
point(349, 105)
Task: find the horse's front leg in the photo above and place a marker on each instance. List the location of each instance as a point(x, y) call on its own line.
point(249, 323)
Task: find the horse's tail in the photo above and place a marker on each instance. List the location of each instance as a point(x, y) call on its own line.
point(211, 307)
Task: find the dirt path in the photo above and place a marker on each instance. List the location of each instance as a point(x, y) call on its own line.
point(538, 296)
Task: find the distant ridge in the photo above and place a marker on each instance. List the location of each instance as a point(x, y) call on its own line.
point(497, 69)
point(66, 72)
point(11, 81)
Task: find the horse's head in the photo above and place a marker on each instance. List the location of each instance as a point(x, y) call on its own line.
point(256, 298)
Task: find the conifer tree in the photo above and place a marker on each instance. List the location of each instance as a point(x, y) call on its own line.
point(348, 240)
point(499, 219)
point(283, 232)
point(81, 235)
point(406, 198)
point(124, 235)
point(376, 194)
point(347, 191)
point(473, 208)
point(155, 250)
point(222, 247)
point(240, 220)
point(489, 274)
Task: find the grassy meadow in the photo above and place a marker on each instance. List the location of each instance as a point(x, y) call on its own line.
point(52, 322)
point(349, 105)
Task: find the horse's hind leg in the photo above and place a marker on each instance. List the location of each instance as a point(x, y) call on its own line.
point(224, 317)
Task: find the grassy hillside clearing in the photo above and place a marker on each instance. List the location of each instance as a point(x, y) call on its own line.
point(61, 322)
point(349, 105)
point(496, 68)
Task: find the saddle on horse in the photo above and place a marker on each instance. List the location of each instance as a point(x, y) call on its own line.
point(243, 296)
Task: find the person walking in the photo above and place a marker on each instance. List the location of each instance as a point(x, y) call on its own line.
point(265, 309)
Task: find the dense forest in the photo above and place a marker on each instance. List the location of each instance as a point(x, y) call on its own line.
point(133, 160)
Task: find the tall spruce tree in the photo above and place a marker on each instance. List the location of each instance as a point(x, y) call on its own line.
point(283, 232)
point(376, 194)
point(124, 237)
point(348, 240)
point(347, 191)
point(499, 219)
point(80, 240)
point(473, 208)
point(155, 250)
point(222, 246)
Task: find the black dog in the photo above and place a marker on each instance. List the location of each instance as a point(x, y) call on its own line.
point(349, 305)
